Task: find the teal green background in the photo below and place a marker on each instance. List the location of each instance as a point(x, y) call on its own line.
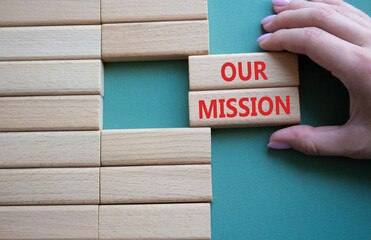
point(257, 193)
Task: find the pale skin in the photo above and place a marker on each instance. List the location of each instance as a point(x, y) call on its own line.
point(337, 36)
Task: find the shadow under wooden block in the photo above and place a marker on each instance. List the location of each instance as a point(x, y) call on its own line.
point(155, 221)
point(120, 11)
point(51, 113)
point(48, 186)
point(155, 184)
point(154, 40)
point(248, 70)
point(50, 149)
point(64, 77)
point(244, 108)
point(49, 222)
point(49, 12)
point(50, 43)
point(156, 146)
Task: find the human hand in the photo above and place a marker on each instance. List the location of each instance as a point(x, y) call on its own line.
point(337, 36)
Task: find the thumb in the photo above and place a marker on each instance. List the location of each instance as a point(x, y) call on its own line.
point(330, 141)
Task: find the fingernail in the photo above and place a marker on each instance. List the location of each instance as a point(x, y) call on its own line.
point(263, 37)
point(268, 19)
point(279, 145)
point(281, 3)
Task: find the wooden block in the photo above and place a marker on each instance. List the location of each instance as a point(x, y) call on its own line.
point(155, 221)
point(49, 113)
point(50, 149)
point(44, 186)
point(151, 184)
point(154, 40)
point(119, 11)
point(51, 77)
point(250, 70)
point(156, 146)
point(49, 12)
point(57, 42)
point(49, 222)
point(244, 108)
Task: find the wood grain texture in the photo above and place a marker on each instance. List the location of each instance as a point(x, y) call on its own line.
point(51, 77)
point(155, 221)
point(156, 146)
point(49, 222)
point(244, 108)
point(49, 12)
point(47, 186)
point(48, 113)
point(151, 184)
point(120, 11)
point(53, 43)
point(50, 149)
point(154, 40)
point(205, 72)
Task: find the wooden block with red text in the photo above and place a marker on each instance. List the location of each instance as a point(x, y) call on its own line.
point(154, 40)
point(49, 222)
point(244, 107)
point(248, 70)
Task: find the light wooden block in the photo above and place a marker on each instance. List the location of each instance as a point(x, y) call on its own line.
point(51, 77)
point(248, 70)
point(155, 221)
point(48, 113)
point(244, 108)
point(151, 184)
point(154, 40)
point(120, 11)
point(45, 186)
point(156, 146)
point(49, 222)
point(49, 12)
point(50, 149)
point(54, 43)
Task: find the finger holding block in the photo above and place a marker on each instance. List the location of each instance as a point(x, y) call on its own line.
point(244, 108)
point(248, 70)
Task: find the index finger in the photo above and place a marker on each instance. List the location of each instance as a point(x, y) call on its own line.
point(327, 50)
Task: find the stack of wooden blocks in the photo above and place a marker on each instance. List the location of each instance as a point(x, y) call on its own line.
point(61, 176)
